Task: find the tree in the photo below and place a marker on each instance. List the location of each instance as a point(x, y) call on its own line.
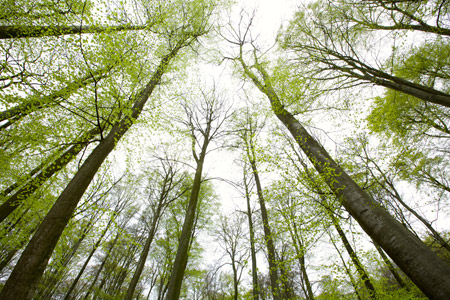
point(230, 236)
point(248, 134)
point(409, 253)
point(167, 187)
point(247, 189)
point(204, 121)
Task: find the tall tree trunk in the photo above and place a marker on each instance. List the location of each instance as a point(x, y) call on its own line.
point(273, 264)
point(31, 265)
point(181, 258)
point(300, 251)
point(255, 286)
point(424, 267)
point(9, 32)
point(347, 269)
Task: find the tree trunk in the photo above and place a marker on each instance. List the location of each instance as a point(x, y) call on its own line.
point(9, 32)
point(273, 264)
point(347, 270)
point(425, 269)
point(391, 268)
point(145, 250)
point(31, 265)
point(255, 286)
point(181, 258)
point(102, 265)
point(80, 273)
point(358, 265)
point(299, 249)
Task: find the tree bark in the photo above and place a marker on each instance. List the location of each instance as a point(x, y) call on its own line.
point(425, 269)
point(9, 32)
point(31, 265)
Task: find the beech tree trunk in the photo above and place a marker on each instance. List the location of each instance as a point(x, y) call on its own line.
point(34, 259)
point(86, 262)
point(299, 249)
point(181, 258)
point(425, 268)
point(155, 219)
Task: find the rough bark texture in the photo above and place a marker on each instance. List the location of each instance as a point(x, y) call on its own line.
point(30, 267)
point(425, 269)
point(9, 32)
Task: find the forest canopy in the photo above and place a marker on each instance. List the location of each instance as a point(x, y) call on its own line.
point(176, 150)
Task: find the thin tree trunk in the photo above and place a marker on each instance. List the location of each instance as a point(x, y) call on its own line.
point(9, 32)
point(358, 265)
point(102, 265)
point(145, 250)
point(31, 265)
point(391, 267)
point(347, 270)
point(80, 273)
point(273, 264)
point(255, 286)
point(423, 266)
point(299, 249)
